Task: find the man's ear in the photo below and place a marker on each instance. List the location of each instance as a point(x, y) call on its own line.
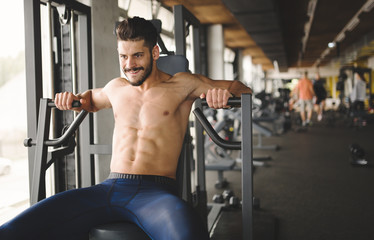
point(156, 52)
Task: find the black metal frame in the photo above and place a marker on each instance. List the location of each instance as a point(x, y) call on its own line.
point(247, 158)
point(181, 17)
point(33, 70)
point(87, 148)
point(34, 80)
point(44, 158)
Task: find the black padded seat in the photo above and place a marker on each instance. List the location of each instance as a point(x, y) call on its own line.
point(118, 231)
point(172, 64)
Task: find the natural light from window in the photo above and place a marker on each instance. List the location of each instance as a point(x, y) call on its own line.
point(14, 184)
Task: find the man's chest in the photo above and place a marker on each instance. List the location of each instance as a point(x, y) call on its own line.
point(152, 108)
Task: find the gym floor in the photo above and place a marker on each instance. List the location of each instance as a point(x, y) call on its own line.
point(310, 190)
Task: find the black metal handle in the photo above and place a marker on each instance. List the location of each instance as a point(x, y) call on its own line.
point(28, 142)
point(233, 102)
point(234, 145)
point(69, 132)
point(76, 103)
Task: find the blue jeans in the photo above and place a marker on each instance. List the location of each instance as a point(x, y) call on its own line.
point(151, 204)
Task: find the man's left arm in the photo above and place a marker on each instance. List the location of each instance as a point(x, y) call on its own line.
point(217, 92)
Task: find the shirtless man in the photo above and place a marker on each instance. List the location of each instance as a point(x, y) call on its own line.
point(151, 110)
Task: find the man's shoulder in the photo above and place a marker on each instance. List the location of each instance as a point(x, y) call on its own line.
point(115, 83)
point(187, 76)
point(306, 81)
point(182, 75)
point(119, 81)
point(181, 78)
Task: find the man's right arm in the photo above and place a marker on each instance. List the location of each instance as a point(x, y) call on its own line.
point(91, 100)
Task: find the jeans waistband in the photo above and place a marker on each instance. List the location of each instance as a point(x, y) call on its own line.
point(152, 178)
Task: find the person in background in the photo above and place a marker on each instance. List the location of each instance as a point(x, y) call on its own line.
point(321, 94)
point(305, 92)
point(358, 94)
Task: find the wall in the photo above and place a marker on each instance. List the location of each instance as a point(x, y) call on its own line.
point(105, 67)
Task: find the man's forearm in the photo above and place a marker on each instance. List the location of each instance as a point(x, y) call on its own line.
point(237, 88)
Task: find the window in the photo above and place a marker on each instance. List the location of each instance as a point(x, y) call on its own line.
point(14, 179)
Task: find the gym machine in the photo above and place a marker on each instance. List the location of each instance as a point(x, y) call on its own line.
point(265, 114)
point(351, 70)
point(216, 158)
point(77, 44)
point(247, 159)
point(41, 157)
point(66, 144)
point(221, 160)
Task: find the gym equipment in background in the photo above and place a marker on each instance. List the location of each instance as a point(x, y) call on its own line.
point(358, 155)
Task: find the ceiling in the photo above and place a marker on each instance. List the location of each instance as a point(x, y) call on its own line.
point(282, 30)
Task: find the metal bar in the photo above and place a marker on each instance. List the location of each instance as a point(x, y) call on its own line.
point(187, 15)
point(50, 43)
point(181, 15)
point(213, 134)
point(52, 88)
point(200, 167)
point(184, 166)
point(179, 28)
point(73, 52)
point(75, 103)
point(74, 84)
point(37, 191)
point(247, 159)
point(33, 66)
point(71, 130)
point(233, 102)
point(200, 151)
point(196, 48)
point(87, 171)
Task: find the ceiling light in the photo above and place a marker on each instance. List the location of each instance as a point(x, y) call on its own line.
point(368, 6)
point(331, 44)
point(311, 7)
point(340, 37)
point(352, 24)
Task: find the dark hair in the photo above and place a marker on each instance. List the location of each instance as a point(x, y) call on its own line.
point(136, 29)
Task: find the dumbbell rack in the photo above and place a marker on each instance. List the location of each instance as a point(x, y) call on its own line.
point(247, 156)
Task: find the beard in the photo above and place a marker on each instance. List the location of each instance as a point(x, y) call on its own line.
point(147, 71)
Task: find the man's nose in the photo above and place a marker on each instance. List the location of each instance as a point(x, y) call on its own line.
point(130, 62)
